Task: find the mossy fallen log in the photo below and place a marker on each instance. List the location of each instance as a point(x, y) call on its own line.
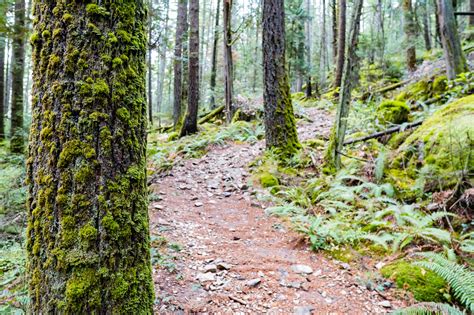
point(385, 132)
point(211, 115)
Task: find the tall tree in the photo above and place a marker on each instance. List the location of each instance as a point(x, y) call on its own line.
point(190, 121)
point(280, 125)
point(410, 27)
point(17, 141)
point(323, 47)
point(181, 29)
point(333, 154)
point(309, 46)
point(163, 48)
point(426, 27)
point(341, 43)
point(228, 62)
point(150, 66)
point(333, 5)
point(212, 99)
point(2, 87)
point(87, 236)
point(453, 53)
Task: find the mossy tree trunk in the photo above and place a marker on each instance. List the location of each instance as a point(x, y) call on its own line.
point(410, 27)
point(17, 141)
point(2, 87)
point(341, 43)
point(181, 28)
point(212, 86)
point(333, 6)
point(280, 125)
point(190, 120)
point(336, 144)
point(453, 53)
point(228, 62)
point(87, 236)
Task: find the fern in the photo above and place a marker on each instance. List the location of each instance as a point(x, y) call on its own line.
point(459, 278)
point(429, 308)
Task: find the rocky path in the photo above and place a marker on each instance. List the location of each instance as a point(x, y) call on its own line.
point(225, 256)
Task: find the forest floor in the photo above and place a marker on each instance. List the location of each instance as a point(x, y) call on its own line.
point(220, 253)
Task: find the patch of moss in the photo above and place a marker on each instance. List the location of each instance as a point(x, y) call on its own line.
point(425, 285)
point(268, 180)
point(393, 112)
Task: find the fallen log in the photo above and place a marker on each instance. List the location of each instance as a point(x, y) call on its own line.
point(385, 89)
point(385, 132)
point(211, 115)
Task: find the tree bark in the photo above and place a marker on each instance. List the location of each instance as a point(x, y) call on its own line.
point(17, 141)
point(381, 32)
point(334, 27)
point(333, 157)
point(2, 87)
point(162, 65)
point(453, 53)
point(181, 27)
point(87, 236)
point(150, 71)
point(426, 28)
point(190, 121)
point(228, 62)
point(280, 125)
point(341, 43)
point(212, 99)
point(410, 34)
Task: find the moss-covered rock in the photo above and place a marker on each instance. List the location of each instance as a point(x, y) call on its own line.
point(393, 112)
point(425, 285)
point(434, 155)
point(268, 180)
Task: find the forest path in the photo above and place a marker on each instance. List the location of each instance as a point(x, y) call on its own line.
point(226, 256)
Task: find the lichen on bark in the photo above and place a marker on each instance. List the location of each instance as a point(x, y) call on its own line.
point(87, 234)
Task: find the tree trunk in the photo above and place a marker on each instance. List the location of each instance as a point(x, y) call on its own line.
point(410, 34)
point(334, 27)
point(181, 27)
point(437, 26)
point(341, 43)
point(150, 71)
point(87, 236)
point(333, 157)
point(17, 141)
point(190, 121)
point(453, 53)
point(228, 62)
point(381, 32)
point(2, 87)
point(426, 28)
point(280, 125)
point(309, 46)
point(162, 66)
point(212, 99)
point(323, 48)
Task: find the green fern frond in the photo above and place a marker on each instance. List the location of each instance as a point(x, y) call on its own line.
point(458, 277)
point(429, 308)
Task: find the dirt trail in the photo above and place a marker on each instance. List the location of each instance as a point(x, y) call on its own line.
point(232, 258)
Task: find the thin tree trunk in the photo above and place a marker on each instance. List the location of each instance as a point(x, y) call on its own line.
point(334, 28)
point(88, 233)
point(2, 87)
point(333, 157)
point(181, 27)
point(341, 43)
point(410, 34)
point(323, 48)
point(257, 44)
point(150, 71)
point(437, 26)
point(162, 67)
point(17, 141)
point(228, 62)
point(381, 32)
point(212, 99)
point(190, 121)
point(280, 125)
point(426, 28)
point(453, 53)
point(309, 46)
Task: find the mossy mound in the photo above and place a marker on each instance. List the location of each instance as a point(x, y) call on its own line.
point(434, 155)
point(425, 285)
point(393, 112)
point(268, 180)
point(424, 89)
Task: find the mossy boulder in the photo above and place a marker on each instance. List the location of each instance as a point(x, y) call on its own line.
point(425, 285)
point(268, 180)
point(393, 112)
point(435, 154)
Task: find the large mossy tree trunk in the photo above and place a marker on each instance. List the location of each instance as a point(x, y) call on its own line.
point(212, 86)
point(190, 120)
point(453, 53)
point(181, 28)
point(87, 236)
point(228, 62)
point(280, 125)
point(2, 87)
point(410, 27)
point(336, 144)
point(17, 141)
point(341, 43)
